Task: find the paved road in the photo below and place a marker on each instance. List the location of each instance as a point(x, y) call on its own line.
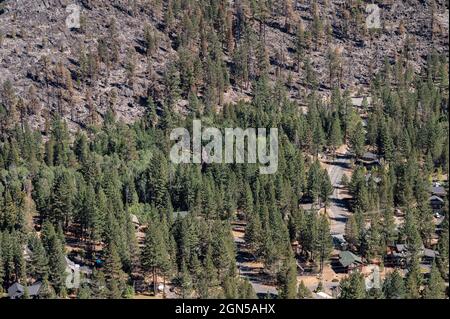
point(338, 211)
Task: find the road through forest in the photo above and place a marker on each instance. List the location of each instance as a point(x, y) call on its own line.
point(338, 211)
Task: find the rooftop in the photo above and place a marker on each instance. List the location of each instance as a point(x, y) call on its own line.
point(17, 290)
point(347, 258)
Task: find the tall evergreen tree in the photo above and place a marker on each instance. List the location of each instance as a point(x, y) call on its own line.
point(436, 285)
point(394, 286)
point(154, 254)
point(353, 286)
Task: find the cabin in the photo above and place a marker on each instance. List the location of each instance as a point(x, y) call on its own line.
point(16, 291)
point(400, 254)
point(349, 261)
point(436, 203)
point(438, 190)
point(369, 159)
point(428, 255)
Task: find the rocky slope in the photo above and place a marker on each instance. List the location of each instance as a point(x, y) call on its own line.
point(51, 68)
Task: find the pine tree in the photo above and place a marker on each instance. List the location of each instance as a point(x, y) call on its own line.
point(443, 249)
point(55, 253)
point(8, 257)
point(373, 237)
point(19, 260)
point(113, 272)
point(154, 254)
point(352, 231)
point(413, 280)
point(38, 266)
point(9, 212)
point(357, 140)
point(303, 292)
point(99, 287)
point(245, 290)
point(61, 201)
point(353, 287)
point(436, 285)
point(46, 291)
point(410, 229)
point(326, 189)
point(335, 137)
point(185, 281)
point(314, 181)
point(394, 286)
point(172, 84)
point(324, 244)
point(84, 292)
point(389, 232)
point(287, 279)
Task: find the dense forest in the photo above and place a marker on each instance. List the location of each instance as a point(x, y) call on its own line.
point(72, 185)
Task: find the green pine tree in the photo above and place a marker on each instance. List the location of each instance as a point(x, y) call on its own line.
point(303, 292)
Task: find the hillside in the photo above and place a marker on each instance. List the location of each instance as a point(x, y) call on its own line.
point(348, 197)
point(127, 51)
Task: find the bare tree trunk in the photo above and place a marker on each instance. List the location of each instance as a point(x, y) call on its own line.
point(154, 281)
point(164, 286)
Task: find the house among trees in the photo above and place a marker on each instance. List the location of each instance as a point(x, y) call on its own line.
point(399, 255)
point(436, 203)
point(16, 291)
point(74, 267)
point(349, 261)
point(438, 190)
point(369, 159)
point(428, 255)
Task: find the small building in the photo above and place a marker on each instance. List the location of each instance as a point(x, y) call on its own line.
point(399, 255)
point(438, 190)
point(436, 202)
point(16, 291)
point(369, 159)
point(429, 255)
point(349, 261)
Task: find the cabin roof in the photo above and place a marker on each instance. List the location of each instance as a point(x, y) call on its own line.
point(347, 258)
